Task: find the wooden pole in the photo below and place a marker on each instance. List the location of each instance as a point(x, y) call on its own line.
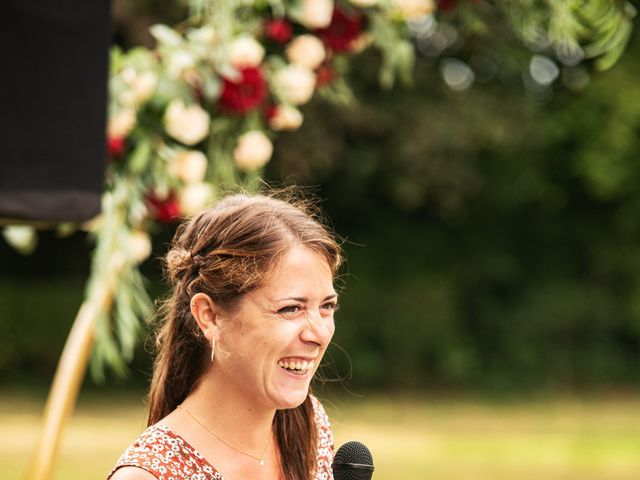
point(68, 378)
point(64, 391)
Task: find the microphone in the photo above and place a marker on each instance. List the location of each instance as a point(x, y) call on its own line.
point(353, 461)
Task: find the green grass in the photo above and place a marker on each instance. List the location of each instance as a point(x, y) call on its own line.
point(412, 438)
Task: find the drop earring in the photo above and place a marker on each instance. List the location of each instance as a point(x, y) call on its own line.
point(213, 348)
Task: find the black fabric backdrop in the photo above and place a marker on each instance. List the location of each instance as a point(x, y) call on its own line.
point(53, 90)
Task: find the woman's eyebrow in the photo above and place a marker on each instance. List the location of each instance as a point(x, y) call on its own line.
point(305, 299)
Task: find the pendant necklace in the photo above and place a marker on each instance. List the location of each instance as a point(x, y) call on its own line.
point(260, 460)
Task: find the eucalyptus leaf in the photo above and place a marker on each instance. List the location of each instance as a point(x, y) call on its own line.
point(170, 88)
point(166, 36)
point(140, 157)
point(610, 58)
point(211, 87)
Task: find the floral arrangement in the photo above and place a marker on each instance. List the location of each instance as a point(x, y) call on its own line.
point(198, 114)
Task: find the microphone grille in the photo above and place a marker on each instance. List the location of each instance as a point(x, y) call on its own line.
point(347, 460)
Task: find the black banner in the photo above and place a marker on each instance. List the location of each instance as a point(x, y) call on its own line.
point(53, 92)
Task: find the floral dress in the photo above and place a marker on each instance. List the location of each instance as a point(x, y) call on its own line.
point(167, 456)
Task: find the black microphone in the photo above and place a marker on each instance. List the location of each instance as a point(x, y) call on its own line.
point(353, 461)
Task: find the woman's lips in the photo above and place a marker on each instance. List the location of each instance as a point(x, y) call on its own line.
point(297, 366)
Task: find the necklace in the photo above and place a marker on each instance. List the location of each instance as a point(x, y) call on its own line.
point(259, 459)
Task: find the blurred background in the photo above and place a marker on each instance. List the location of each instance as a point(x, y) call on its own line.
point(490, 311)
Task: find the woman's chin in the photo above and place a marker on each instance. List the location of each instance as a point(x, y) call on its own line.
point(290, 389)
point(292, 398)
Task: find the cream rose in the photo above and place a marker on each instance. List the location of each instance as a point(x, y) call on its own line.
point(188, 125)
point(121, 124)
point(180, 61)
point(316, 13)
point(295, 84)
point(245, 51)
point(253, 151)
point(306, 50)
point(139, 245)
point(190, 166)
point(409, 9)
point(143, 87)
point(205, 36)
point(286, 117)
point(194, 198)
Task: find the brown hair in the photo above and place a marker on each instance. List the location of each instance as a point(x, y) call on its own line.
point(225, 252)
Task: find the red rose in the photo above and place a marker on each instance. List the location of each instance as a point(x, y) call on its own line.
point(115, 146)
point(165, 210)
point(245, 95)
point(278, 30)
point(342, 31)
point(448, 5)
point(325, 75)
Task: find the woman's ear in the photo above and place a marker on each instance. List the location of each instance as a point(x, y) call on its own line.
point(205, 312)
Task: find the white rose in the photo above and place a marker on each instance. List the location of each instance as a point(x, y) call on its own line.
point(190, 166)
point(364, 3)
point(286, 117)
point(203, 41)
point(194, 198)
point(188, 125)
point(245, 51)
point(253, 151)
point(128, 74)
point(306, 50)
point(205, 36)
point(21, 237)
point(143, 86)
point(139, 245)
point(316, 13)
point(121, 124)
point(295, 84)
point(180, 61)
point(409, 9)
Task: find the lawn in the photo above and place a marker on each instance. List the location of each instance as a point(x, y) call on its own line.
point(411, 438)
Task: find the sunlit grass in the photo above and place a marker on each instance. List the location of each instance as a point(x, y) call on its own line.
point(411, 438)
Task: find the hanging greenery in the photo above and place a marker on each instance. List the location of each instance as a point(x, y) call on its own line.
point(197, 114)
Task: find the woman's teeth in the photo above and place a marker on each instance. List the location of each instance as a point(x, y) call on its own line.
point(297, 367)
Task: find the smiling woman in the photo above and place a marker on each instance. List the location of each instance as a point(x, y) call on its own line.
point(240, 338)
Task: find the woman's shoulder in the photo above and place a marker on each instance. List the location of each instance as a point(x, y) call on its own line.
point(131, 473)
point(158, 453)
point(143, 453)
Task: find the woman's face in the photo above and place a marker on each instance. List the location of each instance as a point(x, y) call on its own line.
point(277, 335)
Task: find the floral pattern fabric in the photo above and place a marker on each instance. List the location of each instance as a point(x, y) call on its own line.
point(167, 456)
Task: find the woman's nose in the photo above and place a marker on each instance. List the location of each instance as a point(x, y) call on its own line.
point(317, 329)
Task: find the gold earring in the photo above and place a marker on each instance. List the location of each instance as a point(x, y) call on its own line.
point(213, 348)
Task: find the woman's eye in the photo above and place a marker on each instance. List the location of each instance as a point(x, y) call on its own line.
point(331, 306)
point(289, 309)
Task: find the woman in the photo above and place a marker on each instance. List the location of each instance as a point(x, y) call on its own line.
point(249, 319)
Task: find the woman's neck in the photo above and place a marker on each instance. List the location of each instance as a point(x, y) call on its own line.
point(233, 418)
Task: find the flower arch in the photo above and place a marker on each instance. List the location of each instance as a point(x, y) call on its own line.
point(198, 113)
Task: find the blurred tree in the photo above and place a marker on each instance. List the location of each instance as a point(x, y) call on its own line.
point(494, 234)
